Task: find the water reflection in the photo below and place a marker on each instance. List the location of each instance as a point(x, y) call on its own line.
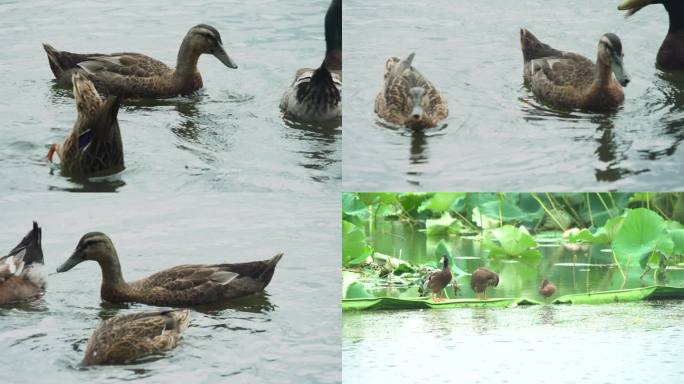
point(320, 143)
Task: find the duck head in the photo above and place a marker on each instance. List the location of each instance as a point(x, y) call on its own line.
point(94, 246)
point(610, 53)
point(544, 283)
point(416, 116)
point(204, 38)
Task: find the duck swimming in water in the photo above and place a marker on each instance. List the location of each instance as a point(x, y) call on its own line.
point(569, 80)
point(181, 286)
point(136, 75)
point(408, 98)
point(22, 274)
point(316, 94)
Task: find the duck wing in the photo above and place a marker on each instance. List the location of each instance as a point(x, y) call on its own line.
point(570, 69)
point(125, 64)
point(203, 284)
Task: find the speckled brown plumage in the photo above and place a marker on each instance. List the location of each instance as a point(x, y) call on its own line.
point(395, 103)
point(181, 286)
point(135, 75)
point(547, 289)
point(671, 53)
point(569, 80)
point(315, 95)
point(93, 146)
point(22, 275)
point(126, 338)
point(438, 280)
point(481, 279)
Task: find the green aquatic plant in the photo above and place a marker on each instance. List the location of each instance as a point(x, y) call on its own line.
point(355, 248)
point(510, 241)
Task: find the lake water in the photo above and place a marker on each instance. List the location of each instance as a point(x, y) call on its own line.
point(290, 333)
point(229, 137)
point(497, 137)
point(612, 343)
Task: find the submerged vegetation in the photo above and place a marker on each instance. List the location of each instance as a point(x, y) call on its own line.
point(624, 237)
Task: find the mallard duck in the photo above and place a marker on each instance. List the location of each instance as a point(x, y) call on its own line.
point(547, 289)
point(671, 53)
point(93, 146)
point(481, 279)
point(316, 94)
point(184, 285)
point(438, 280)
point(136, 75)
point(408, 98)
point(569, 80)
point(126, 338)
point(22, 275)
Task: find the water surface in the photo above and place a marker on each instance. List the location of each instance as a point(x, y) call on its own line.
point(230, 136)
point(498, 137)
point(290, 333)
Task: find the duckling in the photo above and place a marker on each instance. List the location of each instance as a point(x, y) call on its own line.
point(136, 75)
point(93, 146)
point(408, 98)
point(22, 275)
point(126, 338)
point(569, 80)
point(671, 53)
point(181, 286)
point(316, 94)
point(438, 280)
point(481, 279)
point(547, 289)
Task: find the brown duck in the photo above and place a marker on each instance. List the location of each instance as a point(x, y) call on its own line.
point(481, 279)
point(181, 286)
point(671, 53)
point(408, 98)
point(569, 80)
point(547, 289)
point(136, 75)
point(438, 280)
point(22, 274)
point(126, 338)
point(93, 146)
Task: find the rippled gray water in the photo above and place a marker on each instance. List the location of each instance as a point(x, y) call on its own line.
point(497, 136)
point(228, 137)
point(291, 333)
point(615, 343)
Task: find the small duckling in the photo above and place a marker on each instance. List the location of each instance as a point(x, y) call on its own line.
point(547, 289)
point(481, 279)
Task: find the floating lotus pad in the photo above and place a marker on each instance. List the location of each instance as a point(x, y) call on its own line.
point(657, 292)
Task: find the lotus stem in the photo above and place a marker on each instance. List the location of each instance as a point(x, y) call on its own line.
point(534, 196)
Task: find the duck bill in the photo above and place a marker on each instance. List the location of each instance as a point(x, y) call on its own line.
point(620, 72)
point(633, 4)
point(223, 57)
point(416, 112)
point(71, 262)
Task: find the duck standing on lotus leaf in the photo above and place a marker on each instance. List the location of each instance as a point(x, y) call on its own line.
point(671, 53)
point(136, 75)
point(126, 338)
point(408, 98)
point(315, 95)
point(93, 147)
point(569, 80)
point(181, 286)
point(438, 280)
point(22, 274)
point(481, 279)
